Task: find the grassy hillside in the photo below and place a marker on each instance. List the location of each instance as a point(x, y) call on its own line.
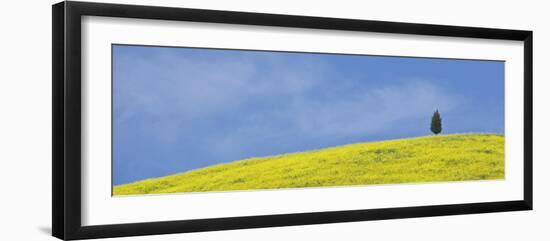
point(424, 159)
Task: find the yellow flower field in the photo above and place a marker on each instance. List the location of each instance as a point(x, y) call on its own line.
point(442, 158)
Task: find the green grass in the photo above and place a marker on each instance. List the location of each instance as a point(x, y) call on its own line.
point(440, 158)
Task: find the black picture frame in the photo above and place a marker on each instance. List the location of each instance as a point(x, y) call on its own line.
point(67, 134)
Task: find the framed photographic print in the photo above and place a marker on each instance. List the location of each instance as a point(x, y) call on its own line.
point(169, 120)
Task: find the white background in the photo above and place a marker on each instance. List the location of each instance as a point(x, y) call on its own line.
point(25, 126)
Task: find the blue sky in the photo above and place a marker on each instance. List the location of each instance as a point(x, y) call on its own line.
point(177, 109)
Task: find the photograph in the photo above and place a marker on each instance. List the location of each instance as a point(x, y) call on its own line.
point(190, 119)
point(170, 118)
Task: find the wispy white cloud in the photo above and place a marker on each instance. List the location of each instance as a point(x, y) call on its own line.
point(375, 110)
point(263, 97)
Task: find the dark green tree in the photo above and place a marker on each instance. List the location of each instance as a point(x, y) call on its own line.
point(435, 127)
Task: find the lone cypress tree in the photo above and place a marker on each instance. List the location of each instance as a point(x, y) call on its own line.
point(435, 127)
